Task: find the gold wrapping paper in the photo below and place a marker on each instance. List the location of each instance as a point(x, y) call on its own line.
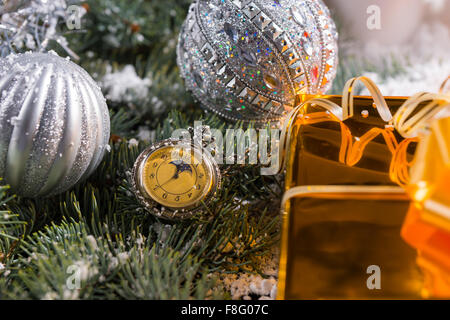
point(342, 210)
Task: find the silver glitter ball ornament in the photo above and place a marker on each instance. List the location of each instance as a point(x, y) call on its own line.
point(54, 124)
point(248, 59)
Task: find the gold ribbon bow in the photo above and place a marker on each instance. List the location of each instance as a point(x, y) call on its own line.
point(411, 120)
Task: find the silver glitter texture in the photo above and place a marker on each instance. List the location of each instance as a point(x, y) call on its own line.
point(54, 124)
point(34, 24)
point(247, 59)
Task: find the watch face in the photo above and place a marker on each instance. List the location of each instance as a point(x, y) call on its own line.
point(176, 177)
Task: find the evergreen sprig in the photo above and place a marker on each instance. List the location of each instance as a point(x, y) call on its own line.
point(99, 221)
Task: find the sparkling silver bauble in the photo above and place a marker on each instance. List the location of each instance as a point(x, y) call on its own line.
point(54, 124)
point(248, 59)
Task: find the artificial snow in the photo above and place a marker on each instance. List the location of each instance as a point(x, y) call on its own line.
point(246, 286)
point(423, 63)
point(133, 143)
point(125, 85)
point(144, 134)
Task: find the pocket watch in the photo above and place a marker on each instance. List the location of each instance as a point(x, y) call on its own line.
point(176, 179)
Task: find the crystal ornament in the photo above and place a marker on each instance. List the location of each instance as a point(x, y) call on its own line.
point(254, 57)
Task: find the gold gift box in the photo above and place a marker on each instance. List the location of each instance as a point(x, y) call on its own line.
point(342, 212)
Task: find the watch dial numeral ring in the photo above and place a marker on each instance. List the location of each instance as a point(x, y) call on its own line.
point(173, 184)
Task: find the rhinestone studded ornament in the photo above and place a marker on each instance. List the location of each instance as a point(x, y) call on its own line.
point(247, 59)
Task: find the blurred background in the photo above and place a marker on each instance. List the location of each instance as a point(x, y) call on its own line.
point(409, 53)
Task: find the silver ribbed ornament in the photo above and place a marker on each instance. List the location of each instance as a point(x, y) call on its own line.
point(54, 124)
point(248, 59)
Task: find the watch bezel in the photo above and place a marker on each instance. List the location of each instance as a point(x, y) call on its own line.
point(195, 210)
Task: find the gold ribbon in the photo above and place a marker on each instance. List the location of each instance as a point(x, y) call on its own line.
point(411, 119)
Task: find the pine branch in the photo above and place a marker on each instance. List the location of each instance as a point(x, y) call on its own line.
point(12, 229)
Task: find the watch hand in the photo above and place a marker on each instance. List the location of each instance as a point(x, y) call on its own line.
point(175, 176)
point(180, 168)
